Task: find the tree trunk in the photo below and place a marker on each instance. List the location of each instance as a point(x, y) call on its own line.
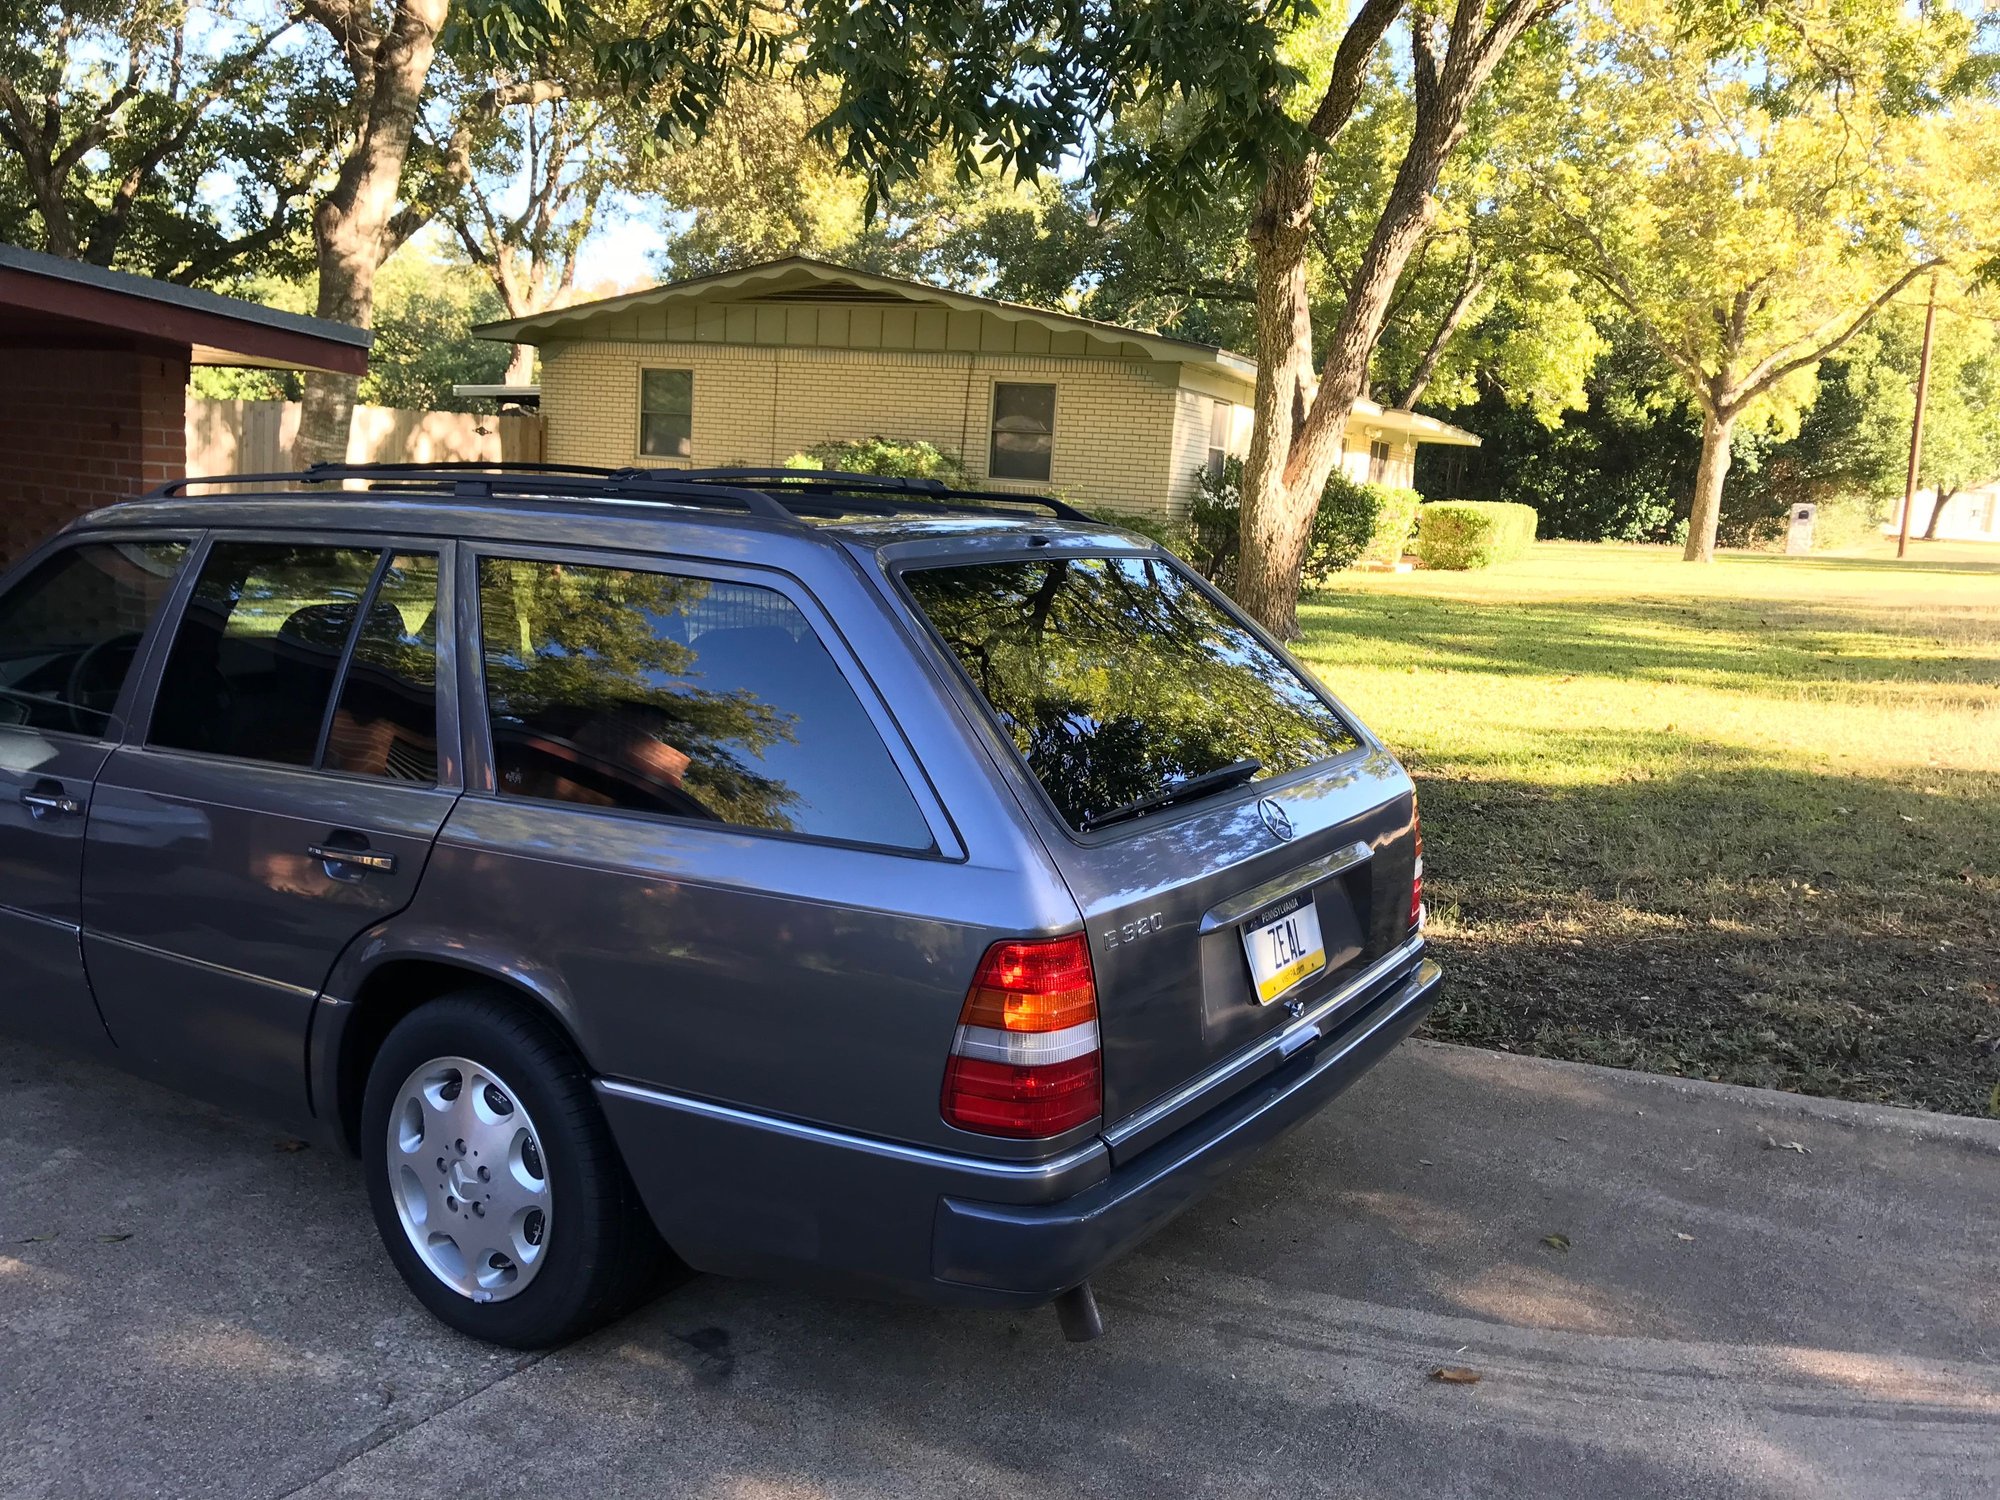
point(1290, 461)
point(1282, 485)
point(521, 365)
point(1275, 528)
point(352, 226)
point(347, 266)
point(1944, 497)
point(1706, 513)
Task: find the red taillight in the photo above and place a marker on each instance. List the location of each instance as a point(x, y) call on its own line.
point(1417, 879)
point(1026, 1060)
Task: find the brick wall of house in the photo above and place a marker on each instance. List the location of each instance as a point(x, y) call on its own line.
point(81, 428)
point(1114, 430)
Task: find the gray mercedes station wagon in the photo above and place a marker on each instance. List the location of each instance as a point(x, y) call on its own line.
point(773, 873)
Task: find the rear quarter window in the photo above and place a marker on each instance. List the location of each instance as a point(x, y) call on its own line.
point(1117, 678)
point(681, 696)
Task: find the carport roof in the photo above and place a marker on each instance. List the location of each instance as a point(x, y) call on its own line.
point(49, 302)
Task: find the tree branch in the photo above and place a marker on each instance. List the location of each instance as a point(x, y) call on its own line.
point(1350, 67)
point(1778, 366)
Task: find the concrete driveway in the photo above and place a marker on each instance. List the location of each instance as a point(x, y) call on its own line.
point(1760, 1296)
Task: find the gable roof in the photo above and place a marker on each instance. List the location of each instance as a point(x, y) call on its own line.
point(801, 278)
point(46, 298)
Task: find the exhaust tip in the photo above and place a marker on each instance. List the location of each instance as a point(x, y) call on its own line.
point(1076, 1310)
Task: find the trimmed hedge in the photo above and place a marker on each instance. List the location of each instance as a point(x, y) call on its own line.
point(1395, 519)
point(1460, 534)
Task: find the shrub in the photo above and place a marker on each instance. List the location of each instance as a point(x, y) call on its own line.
point(1355, 522)
point(1175, 536)
point(908, 458)
point(1459, 534)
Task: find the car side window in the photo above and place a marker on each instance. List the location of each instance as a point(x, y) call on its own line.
point(70, 630)
point(254, 658)
point(691, 697)
point(385, 723)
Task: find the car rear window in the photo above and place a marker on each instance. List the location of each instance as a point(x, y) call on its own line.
point(1119, 678)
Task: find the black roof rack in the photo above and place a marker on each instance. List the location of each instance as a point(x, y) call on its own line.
point(835, 481)
point(774, 494)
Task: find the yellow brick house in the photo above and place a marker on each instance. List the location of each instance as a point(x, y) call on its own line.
point(749, 367)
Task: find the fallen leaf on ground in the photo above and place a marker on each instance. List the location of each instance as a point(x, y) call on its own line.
point(38, 1239)
point(291, 1145)
point(1455, 1375)
point(1679, 1236)
point(1556, 1241)
point(112, 1239)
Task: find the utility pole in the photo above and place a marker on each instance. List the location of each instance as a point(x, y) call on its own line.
point(1917, 424)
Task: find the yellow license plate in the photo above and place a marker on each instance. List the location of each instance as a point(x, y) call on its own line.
point(1284, 947)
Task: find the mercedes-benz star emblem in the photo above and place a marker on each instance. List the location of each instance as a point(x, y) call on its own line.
point(1275, 818)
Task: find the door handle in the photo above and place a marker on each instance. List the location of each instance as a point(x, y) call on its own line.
point(360, 859)
point(43, 804)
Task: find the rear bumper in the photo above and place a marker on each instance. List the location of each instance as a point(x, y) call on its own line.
point(744, 1194)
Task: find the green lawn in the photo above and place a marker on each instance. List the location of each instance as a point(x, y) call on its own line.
point(1738, 822)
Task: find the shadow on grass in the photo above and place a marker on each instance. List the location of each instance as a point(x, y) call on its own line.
point(1769, 647)
point(1753, 922)
point(1968, 567)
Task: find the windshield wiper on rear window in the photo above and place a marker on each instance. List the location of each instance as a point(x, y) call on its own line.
point(1220, 779)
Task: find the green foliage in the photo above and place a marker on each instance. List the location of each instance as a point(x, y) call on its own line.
point(1355, 523)
point(1620, 469)
point(183, 142)
point(425, 310)
point(908, 458)
point(1394, 518)
point(1458, 534)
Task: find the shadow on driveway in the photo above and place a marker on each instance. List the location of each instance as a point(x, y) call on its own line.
point(1731, 1316)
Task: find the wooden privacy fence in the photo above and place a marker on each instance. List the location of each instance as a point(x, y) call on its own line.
point(252, 437)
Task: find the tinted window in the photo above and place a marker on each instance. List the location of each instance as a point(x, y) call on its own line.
point(70, 630)
point(253, 662)
point(666, 413)
point(659, 693)
point(386, 721)
point(1118, 677)
point(1024, 426)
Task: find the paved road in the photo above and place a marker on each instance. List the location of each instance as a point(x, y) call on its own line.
point(186, 1308)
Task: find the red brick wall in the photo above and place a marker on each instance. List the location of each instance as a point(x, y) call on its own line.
point(80, 428)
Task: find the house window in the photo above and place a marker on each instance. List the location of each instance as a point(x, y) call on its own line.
point(1220, 416)
point(1024, 431)
point(1378, 461)
point(666, 413)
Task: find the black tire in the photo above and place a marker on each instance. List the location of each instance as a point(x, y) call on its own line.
point(603, 1253)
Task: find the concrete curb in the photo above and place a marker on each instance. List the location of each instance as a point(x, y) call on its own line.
point(1921, 1124)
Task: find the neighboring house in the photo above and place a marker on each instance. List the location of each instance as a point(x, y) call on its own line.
point(1971, 515)
point(750, 367)
point(93, 384)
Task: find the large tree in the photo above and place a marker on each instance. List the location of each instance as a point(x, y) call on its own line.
point(1753, 205)
point(171, 139)
point(1249, 97)
point(1301, 422)
point(675, 56)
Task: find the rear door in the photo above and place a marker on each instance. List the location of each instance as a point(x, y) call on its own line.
point(71, 628)
point(1239, 848)
point(295, 769)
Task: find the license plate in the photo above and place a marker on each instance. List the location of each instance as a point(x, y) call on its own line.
point(1284, 946)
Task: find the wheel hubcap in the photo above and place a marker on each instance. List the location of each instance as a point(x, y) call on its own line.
point(466, 1168)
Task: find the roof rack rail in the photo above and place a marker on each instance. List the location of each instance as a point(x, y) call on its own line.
point(326, 473)
point(774, 494)
point(504, 482)
point(835, 481)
